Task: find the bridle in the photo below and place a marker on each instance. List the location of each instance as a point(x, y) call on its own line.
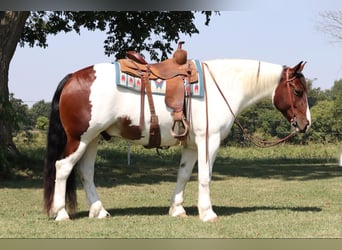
point(255, 140)
point(289, 83)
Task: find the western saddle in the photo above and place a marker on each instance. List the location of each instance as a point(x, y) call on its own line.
point(179, 73)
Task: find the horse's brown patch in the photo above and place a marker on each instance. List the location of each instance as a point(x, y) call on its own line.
point(75, 107)
point(128, 131)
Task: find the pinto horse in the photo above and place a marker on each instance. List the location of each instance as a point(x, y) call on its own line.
point(88, 103)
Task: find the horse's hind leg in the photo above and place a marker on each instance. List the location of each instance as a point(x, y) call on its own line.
point(86, 170)
point(187, 163)
point(74, 151)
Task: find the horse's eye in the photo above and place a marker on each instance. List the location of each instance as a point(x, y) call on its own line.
point(298, 92)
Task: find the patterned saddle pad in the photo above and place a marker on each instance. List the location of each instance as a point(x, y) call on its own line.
point(158, 86)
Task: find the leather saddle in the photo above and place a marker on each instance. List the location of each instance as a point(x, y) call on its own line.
point(179, 73)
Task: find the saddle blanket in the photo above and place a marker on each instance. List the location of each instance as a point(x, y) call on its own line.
point(158, 86)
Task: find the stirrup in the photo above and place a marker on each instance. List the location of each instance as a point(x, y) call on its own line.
point(183, 129)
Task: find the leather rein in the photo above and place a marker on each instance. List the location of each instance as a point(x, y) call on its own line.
point(259, 142)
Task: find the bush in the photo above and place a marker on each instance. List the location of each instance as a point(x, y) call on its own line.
point(42, 123)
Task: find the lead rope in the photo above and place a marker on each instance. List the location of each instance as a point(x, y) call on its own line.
point(255, 140)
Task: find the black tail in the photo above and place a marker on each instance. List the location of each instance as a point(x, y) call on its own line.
point(56, 141)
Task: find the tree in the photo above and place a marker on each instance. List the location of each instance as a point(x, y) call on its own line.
point(11, 27)
point(39, 109)
point(337, 109)
point(149, 31)
point(331, 24)
point(42, 122)
point(322, 117)
point(152, 31)
point(20, 116)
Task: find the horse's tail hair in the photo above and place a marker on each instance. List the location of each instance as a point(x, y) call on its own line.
point(56, 141)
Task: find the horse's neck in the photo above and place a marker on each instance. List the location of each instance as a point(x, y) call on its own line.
point(253, 80)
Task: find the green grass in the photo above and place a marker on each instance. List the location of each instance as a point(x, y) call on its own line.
point(281, 192)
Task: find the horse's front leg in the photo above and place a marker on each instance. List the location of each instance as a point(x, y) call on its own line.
point(188, 160)
point(86, 170)
point(205, 165)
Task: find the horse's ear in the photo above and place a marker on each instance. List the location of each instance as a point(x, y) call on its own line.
point(299, 67)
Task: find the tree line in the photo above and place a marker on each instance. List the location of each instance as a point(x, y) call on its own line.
point(262, 119)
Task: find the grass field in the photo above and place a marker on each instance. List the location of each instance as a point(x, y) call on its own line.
point(281, 192)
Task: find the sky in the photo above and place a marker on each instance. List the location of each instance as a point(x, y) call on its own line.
point(285, 34)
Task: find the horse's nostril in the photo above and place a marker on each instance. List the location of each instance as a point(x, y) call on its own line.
point(305, 128)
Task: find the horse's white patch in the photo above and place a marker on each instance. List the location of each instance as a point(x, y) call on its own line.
point(308, 114)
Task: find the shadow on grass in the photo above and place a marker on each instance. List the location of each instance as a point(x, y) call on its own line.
point(285, 169)
point(147, 167)
point(192, 211)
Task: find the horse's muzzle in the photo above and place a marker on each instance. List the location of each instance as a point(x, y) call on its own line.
point(301, 127)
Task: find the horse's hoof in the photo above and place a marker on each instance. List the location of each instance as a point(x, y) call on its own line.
point(97, 211)
point(177, 211)
point(62, 219)
point(210, 216)
point(103, 214)
point(213, 219)
point(62, 215)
